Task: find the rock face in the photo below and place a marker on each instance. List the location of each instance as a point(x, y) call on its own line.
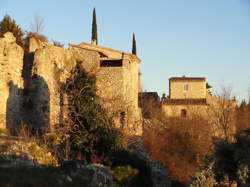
point(94, 176)
point(16, 155)
point(11, 82)
point(159, 176)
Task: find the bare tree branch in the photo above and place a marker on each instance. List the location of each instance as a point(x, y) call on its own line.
point(38, 24)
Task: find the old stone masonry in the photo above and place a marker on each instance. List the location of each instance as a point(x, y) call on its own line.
point(30, 84)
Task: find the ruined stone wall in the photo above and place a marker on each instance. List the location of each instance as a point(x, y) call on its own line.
point(51, 68)
point(35, 44)
point(11, 82)
point(30, 89)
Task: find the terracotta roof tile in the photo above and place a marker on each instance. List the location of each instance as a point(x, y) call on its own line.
point(184, 102)
point(187, 78)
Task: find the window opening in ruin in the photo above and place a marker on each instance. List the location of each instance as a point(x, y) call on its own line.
point(186, 87)
point(183, 112)
point(122, 119)
point(111, 63)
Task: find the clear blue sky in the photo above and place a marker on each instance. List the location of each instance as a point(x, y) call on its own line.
point(208, 38)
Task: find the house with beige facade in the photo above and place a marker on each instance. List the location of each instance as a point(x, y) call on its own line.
point(190, 97)
point(187, 95)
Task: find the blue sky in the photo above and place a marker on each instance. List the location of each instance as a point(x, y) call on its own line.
point(208, 38)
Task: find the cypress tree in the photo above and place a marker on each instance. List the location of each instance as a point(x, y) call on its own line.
point(94, 28)
point(134, 45)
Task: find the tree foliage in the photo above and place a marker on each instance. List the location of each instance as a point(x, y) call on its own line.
point(9, 25)
point(208, 87)
point(229, 161)
point(94, 28)
point(134, 45)
point(89, 131)
point(88, 134)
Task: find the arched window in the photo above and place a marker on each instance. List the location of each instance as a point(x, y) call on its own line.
point(183, 112)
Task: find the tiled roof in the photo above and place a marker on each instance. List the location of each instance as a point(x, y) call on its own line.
point(108, 52)
point(149, 95)
point(187, 78)
point(184, 102)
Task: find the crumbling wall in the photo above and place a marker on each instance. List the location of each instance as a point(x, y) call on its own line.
point(31, 92)
point(11, 82)
point(51, 67)
point(35, 44)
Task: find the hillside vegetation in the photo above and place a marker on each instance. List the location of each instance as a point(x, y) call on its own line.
point(191, 154)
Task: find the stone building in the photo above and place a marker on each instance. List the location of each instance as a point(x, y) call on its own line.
point(187, 95)
point(118, 85)
point(30, 85)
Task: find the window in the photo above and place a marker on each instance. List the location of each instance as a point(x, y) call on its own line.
point(185, 87)
point(111, 63)
point(183, 112)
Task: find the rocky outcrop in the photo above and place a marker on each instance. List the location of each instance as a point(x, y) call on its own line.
point(90, 175)
point(17, 153)
point(27, 156)
point(159, 176)
point(11, 82)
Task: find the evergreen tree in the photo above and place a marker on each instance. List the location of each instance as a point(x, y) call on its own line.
point(134, 45)
point(91, 132)
point(94, 28)
point(9, 25)
point(208, 86)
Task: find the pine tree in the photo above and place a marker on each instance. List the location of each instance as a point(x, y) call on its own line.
point(134, 45)
point(94, 28)
point(9, 25)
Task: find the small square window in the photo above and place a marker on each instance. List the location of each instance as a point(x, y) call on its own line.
point(186, 87)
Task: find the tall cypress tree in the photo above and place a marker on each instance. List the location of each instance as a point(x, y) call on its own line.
point(94, 28)
point(134, 45)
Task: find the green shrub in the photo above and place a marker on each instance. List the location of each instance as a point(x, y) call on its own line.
point(124, 174)
point(124, 158)
point(228, 160)
point(88, 131)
